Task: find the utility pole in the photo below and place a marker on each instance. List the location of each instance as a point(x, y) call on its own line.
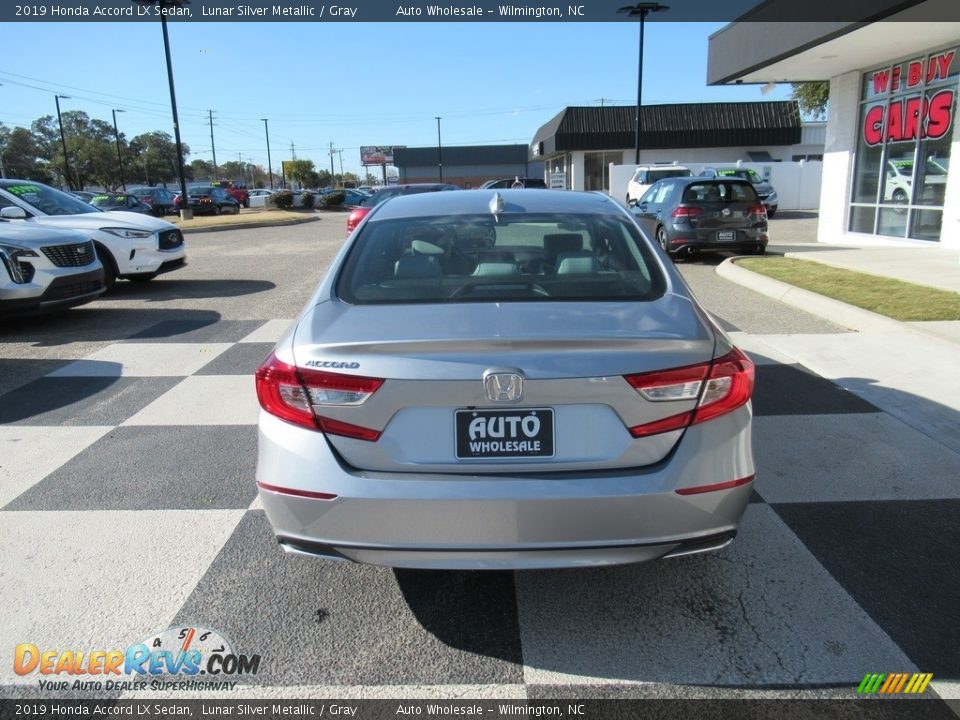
point(439, 151)
point(63, 141)
point(340, 153)
point(216, 172)
point(266, 128)
point(333, 173)
point(243, 170)
point(293, 150)
point(603, 100)
point(116, 134)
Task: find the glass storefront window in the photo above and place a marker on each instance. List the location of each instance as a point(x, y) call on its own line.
point(903, 148)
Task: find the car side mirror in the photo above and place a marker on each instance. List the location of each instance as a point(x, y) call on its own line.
point(642, 207)
point(13, 213)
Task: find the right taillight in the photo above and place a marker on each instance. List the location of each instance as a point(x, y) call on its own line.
point(293, 394)
point(759, 212)
point(682, 212)
point(719, 387)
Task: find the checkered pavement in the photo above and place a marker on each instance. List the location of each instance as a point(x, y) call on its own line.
point(127, 505)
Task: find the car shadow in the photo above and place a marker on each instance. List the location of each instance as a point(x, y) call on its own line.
point(23, 403)
point(174, 289)
point(100, 323)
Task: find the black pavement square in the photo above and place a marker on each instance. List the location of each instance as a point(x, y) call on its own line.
point(898, 560)
point(81, 400)
point(348, 624)
point(153, 468)
point(794, 390)
point(241, 359)
point(196, 330)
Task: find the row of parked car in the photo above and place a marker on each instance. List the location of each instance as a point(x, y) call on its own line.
point(59, 251)
point(205, 198)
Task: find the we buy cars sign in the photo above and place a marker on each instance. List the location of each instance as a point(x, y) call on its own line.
point(907, 118)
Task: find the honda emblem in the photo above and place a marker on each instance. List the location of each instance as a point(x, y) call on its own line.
point(503, 387)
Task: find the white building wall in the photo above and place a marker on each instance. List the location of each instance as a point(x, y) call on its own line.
point(838, 151)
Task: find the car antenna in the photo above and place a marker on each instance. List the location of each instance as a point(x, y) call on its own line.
point(496, 205)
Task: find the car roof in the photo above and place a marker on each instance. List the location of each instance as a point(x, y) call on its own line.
point(477, 202)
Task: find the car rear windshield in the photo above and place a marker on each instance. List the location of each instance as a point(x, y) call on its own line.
point(655, 175)
point(465, 258)
point(720, 191)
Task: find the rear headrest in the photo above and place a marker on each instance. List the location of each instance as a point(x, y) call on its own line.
point(562, 242)
point(417, 266)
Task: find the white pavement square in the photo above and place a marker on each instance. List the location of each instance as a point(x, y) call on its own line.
point(270, 331)
point(739, 617)
point(28, 454)
point(204, 400)
point(144, 360)
point(100, 580)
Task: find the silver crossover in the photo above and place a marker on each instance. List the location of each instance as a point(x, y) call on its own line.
point(503, 379)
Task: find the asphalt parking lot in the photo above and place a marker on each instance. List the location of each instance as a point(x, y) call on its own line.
point(127, 506)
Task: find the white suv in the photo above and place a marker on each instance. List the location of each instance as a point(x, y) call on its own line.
point(43, 269)
point(647, 175)
point(130, 245)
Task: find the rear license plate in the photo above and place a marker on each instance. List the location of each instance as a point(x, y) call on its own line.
point(517, 433)
point(726, 235)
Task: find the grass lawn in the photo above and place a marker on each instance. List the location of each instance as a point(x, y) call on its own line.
point(893, 298)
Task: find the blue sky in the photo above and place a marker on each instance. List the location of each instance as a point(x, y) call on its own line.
point(351, 84)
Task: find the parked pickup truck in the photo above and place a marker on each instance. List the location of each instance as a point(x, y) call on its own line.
point(236, 190)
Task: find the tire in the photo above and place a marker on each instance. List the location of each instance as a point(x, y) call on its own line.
point(142, 278)
point(246, 203)
point(217, 210)
point(109, 266)
point(760, 250)
point(900, 198)
point(662, 239)
point(771, 212)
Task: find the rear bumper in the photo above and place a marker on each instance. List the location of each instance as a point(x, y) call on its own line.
point(685, 241)
point(542, 520)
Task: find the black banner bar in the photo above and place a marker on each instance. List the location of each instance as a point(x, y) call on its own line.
point(476, 11)
point(566, 709)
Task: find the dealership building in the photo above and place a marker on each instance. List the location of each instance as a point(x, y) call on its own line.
point(891, 127)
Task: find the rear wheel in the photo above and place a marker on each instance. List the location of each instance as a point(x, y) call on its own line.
point(662, 239)
point(771, 211)
point(760, 250)
point(217, 210)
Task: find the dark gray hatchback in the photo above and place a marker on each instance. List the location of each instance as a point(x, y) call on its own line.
point(690, 214)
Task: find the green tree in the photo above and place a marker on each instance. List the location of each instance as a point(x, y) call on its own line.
point(155, 157)
point(302, 171)
point(20, 156)
point(90, 146)
point(813, 98)
point(201, 170)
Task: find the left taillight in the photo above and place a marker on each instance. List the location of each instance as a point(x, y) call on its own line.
point(719, 387)
point(294, 394)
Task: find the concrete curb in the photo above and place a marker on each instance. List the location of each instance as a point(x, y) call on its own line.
point(248, 226)
point(835, 311)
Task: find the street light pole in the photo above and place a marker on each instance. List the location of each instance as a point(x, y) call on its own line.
point(63, 141)
point(439, 150)
point(266, 128)
point(186, 213)
point(116, 134)
point(640, 10)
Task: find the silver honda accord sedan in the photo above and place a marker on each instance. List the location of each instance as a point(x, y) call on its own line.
point(503, 379)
